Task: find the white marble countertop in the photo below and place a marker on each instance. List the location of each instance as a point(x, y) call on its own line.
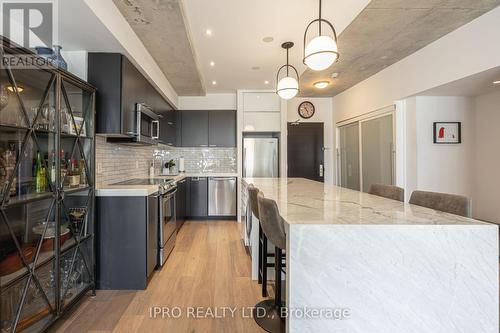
point(110, 190)
point(303, 201)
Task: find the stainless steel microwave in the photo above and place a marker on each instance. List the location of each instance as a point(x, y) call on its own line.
point(147, 127)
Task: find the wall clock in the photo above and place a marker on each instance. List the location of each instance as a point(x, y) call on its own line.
point(306, 110)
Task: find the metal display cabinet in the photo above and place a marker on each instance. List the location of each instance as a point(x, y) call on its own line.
point(46, 204)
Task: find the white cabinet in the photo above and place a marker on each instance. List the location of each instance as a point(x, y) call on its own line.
point(261, 122)
point(261, 102)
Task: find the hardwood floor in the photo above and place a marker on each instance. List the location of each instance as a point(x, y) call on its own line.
point(208, 268)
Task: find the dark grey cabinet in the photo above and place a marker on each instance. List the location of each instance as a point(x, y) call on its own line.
point(180, 201)
point(194, 128)
point(198, 197)
point(201, 128)
point(127, 240)
point(168, 128)
point(120, 86)
point(222, 128)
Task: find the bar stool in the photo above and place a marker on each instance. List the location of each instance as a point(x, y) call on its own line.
point(388, 191)
point(274, 229)
point(448, 203)
point(263, 263)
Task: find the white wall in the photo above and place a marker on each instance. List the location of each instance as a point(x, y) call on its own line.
point(208, 102)
point(77, 63)
point(486, 161)
point(443, 167)
point(468, 50)
point(323, 114)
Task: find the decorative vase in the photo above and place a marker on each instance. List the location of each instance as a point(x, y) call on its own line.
point(44, 52)
point(57, 58)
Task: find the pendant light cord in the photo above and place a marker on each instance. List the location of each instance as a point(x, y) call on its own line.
point(319, 22)
point(287, 62)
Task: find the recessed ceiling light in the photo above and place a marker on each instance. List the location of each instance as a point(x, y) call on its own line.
point(208, 32)
point(212, 63)
point(267, 39)
point(335, 75)
point(496, 83)
point(214, 82)
point(321, 84)
point(266, 82)
point(255, 68)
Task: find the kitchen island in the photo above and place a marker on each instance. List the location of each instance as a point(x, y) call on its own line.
point(381, 265)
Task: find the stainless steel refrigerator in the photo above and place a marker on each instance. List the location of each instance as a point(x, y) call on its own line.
point(260, 157)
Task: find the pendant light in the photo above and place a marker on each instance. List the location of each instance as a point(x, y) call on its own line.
point(288, 86)
point(321, 52)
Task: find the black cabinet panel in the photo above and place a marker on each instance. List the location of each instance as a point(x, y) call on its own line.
point(123, 248)
point(180, 200)
point(194, 128)
point(222, 128)
point(198, 197)
point(108, 95)
point(168, 128)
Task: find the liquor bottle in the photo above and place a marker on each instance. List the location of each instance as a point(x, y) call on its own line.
point(53, 168)
point(83, 175)
point(39, 177)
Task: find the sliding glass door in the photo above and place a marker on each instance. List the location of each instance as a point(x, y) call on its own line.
point(366, 152)
point(377, 151)
point(349, 156)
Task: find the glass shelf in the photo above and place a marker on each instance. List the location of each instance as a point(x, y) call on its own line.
point(33, 149)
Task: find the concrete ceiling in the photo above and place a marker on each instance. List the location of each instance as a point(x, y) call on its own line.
point(387, 31)
point(471, 86)
point(161, 28)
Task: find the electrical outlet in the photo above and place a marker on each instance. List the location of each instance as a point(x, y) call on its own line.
point(137, 164)
point(99, 167)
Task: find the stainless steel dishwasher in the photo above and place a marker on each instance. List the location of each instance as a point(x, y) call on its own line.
point(222, 196)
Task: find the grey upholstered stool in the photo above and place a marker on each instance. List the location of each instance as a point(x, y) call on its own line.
point(449, 203)
point(263, 264)
point(388, 191)
point(274, 228)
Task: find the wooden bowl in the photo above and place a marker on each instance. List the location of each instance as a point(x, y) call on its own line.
point(48, 243)
point(12, 263)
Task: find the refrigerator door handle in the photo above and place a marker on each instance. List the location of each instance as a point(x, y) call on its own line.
point(244, 161)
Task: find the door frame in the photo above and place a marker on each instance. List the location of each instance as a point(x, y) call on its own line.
point(390, 110)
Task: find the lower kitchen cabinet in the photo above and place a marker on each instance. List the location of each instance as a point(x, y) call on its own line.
point(127, 241)
point(198, 197)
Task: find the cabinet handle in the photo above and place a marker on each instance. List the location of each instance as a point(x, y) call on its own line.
point(203, 145)
point(213, 145)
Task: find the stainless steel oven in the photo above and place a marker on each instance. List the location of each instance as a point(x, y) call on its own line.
point(167, 225)
point(147, 127)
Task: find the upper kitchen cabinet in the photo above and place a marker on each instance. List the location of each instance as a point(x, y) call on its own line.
point(194, 128)
point(214, 128)
point(261, 112)
point(120, 87)
point(168, 128)
point(222, 128)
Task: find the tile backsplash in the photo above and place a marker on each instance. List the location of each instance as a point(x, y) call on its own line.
point(121, 162)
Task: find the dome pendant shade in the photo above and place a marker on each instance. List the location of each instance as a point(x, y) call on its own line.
point(322, 51)
point(288, 86)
